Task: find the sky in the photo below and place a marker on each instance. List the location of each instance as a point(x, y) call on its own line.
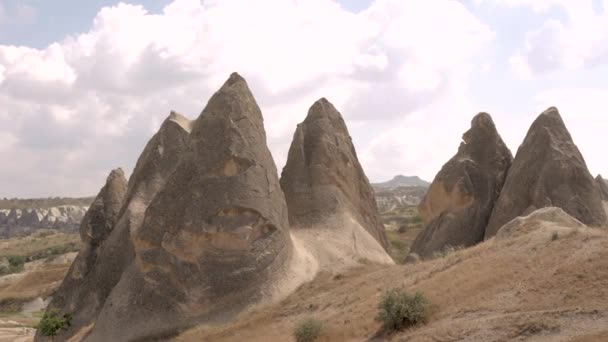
point(85, 84)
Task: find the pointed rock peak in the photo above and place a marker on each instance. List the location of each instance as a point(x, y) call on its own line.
point(180, 120)
point(482, 127)
point(603, 186)
point(456, 208)
point(323, 107)
point(235, 77)
point(322, 110)
point(541, 176)
point(323, 177)
point(483, 120)
point(103, 213)
point(233, 102)
point(115, 174)
point(550, 119)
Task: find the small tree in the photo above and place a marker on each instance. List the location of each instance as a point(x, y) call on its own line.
point(398, 309)
point(51, 323)
point(308, 330)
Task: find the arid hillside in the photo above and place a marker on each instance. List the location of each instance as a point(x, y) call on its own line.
point(544, 280)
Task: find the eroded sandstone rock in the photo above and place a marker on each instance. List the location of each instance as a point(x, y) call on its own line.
point(548, 171)
point(108, 245)
point(459, 202)
point(601, 183)
point(215, 238)
point(332, 206)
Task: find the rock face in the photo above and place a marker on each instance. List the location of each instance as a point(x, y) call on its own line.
point(459, 202)
point(325, 186)
point(601, 183)
point(548, 171)
point(215, 238)
point(77, 293)
point(108, 245)
point(548, 216)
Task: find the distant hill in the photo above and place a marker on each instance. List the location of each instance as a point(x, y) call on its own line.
point(22, 217)
point(43, 203)
point(400, 181)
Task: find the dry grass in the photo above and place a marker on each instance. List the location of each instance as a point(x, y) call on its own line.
point(33, 284)
point(527, 287)
point(26, 246)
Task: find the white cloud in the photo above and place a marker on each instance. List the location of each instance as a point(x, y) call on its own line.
point(578, 42)
point(90, 102)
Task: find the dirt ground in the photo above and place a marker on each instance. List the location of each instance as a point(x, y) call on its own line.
point(547, 284)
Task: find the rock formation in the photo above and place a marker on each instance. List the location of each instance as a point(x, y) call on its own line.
point(21, 222)
point(548, 170)
point(108, 245)
point(326, 188)
point(601, 183)
point(76, 295)
point(459, 202)
point(215, 238)
point(545, 217)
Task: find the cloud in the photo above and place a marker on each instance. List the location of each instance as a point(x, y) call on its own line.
point(579, 41)
point(89, 103)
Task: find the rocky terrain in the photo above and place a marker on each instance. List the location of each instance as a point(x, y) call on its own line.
point(551, 286)
point(16, 220)
point(204, 242)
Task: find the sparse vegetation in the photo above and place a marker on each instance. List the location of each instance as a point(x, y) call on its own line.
point(12, 264)
point(308, 330)
point(398, 309)
point(447, 250)
point(40, 245)
point(51, 323)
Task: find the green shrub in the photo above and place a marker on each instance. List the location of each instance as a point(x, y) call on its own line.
point(398, 309)
point(51, 323)
point(308, 330)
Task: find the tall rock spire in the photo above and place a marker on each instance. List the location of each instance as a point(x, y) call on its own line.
point(325, 186)
point(93, 275)
point(459, 202)
point(548, 171)
point(215, 238)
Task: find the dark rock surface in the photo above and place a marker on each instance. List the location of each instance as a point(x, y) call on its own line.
point(215, 238)
point(548, 171)
point(601, 183)
point(90, 280)
point(459, 202)
point(323, 175)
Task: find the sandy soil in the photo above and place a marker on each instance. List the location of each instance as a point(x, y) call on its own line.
point(535, 285)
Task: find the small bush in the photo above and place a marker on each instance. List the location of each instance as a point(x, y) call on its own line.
point(554, 236)
point(308, 330)
point(51, 323)
point(398, 309)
